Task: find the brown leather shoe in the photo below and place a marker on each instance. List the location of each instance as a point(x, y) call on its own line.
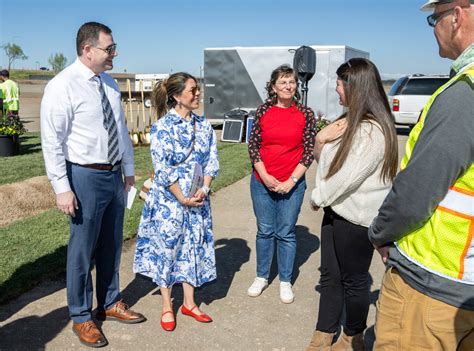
point(89, 334)
point(120, 312)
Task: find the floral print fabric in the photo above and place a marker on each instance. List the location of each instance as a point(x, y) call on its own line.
point(175, 243)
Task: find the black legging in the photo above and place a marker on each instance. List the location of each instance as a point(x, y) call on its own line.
point(346, 253)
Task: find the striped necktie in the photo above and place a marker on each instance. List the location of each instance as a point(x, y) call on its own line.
point(110, 125)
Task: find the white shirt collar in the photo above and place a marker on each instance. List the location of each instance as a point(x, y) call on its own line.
point(83, 70)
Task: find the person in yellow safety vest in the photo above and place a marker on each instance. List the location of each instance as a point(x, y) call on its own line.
point(11, 93)
point(425, 227)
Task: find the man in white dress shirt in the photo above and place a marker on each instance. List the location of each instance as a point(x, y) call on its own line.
point(86, 149)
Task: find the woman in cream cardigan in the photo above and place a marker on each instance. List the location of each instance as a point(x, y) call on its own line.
point(357, 161)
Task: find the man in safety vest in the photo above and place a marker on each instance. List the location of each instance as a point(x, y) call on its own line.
point(10, 92)
point(425, 227)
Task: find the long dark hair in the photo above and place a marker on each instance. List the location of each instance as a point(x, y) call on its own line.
point(163, 93)
point(366, 101)
point(281, 71)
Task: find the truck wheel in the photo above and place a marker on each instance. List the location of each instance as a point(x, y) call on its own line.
point(147, 102)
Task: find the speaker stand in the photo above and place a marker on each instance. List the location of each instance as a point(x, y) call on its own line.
point(304, 92)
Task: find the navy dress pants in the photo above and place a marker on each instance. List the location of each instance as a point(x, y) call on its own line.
point(96, 236)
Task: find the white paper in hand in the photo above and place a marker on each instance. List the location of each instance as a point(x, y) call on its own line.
point(198, 180)
point(130, 197)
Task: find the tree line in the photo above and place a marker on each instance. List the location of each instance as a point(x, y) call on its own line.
point(14, 52)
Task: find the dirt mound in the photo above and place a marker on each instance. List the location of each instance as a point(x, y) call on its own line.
point(25, 199)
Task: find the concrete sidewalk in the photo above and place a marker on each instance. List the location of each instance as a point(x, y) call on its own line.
point(39, 319)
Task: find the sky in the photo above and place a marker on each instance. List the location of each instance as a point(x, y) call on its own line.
point(156, 36)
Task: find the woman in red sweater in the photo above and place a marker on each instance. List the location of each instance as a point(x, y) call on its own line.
point(280, 147)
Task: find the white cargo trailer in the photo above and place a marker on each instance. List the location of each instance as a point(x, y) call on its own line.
point(235, 77)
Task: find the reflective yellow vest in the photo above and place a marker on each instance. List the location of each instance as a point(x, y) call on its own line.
point(444, 245)
point(11, 95)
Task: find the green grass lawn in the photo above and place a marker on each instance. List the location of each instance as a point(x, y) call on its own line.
point(26, 165)
point(35, 248)
point(27, 73)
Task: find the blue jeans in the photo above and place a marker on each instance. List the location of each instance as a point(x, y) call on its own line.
point(96, 235)
point(276, 219)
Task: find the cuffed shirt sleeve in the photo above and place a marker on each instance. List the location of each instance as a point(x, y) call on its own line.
point(127, 157)
point(211, 167)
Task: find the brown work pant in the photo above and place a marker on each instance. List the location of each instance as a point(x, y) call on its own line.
point(409, 320)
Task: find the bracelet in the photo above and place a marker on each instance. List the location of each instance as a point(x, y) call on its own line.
point(294, 179)
point(206, 190)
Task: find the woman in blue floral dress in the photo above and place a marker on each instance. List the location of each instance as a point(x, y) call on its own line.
point(175, 243)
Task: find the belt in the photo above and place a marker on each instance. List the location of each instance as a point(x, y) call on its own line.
point(102, 166)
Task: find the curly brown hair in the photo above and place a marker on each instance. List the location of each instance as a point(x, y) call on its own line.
point(279, 72)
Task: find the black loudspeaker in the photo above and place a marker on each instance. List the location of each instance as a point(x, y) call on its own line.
point(304, 63)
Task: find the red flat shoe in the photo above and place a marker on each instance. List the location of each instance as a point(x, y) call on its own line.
point(203, 318)
point(168, 326)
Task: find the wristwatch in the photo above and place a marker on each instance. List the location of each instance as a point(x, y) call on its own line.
point(294, 179)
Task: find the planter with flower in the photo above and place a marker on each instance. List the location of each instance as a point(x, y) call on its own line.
point(321, 122)
point(11, 127)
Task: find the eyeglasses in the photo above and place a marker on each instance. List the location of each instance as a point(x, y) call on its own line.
point(110, 50)
point(434, 17)
point(284, 84)
point(194, 90)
